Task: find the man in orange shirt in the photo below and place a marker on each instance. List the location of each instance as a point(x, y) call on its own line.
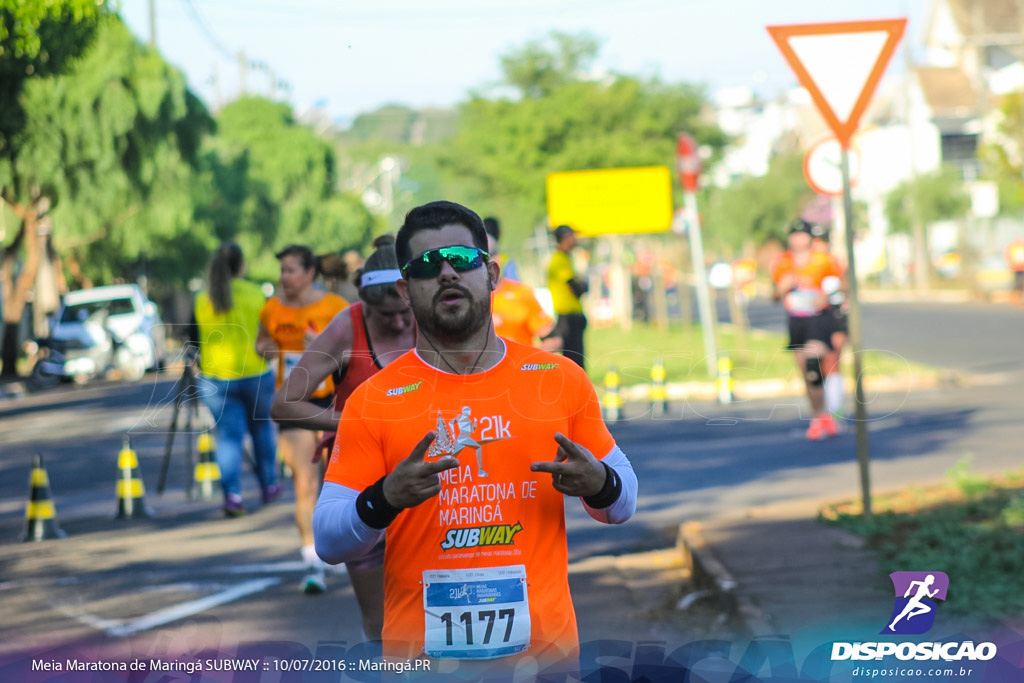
point(476, 564)
point(798, 274)
point(517, 313)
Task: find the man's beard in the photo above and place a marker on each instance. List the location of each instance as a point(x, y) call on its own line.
point(452, 326)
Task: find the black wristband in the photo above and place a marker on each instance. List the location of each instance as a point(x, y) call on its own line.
point(374, 509)
point(609, 493)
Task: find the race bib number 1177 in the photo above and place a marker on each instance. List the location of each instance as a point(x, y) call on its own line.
point(476, 613)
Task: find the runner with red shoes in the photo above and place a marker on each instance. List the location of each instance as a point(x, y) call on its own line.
point(798, 274)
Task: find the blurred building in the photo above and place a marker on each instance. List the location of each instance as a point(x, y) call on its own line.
point(920, 119)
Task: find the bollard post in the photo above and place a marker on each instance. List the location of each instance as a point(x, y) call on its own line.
point(612, 400)
point(725, 383)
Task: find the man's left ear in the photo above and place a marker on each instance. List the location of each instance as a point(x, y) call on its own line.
point(494, 273)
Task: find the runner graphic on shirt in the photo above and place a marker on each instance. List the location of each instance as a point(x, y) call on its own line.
point(457, 434)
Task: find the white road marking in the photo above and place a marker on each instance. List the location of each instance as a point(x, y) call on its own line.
point(118, 629)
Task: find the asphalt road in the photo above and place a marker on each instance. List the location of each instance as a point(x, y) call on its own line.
point(186, 576)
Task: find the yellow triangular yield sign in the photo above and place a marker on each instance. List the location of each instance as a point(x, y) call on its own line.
point(840, 65)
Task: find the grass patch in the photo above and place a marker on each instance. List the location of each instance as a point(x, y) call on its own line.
point(971, 528)
point(759, 355)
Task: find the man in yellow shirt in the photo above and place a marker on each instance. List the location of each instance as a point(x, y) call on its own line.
point(566, 289)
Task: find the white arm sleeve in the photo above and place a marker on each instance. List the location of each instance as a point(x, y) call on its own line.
point(622, 509)
point(338, 531)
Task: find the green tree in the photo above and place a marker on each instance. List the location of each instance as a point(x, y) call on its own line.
point(756, 209)
point(561, 120)
point(109, 152)
point(126, 161)
point(541, 67)
point(38, 38)
point(287, 188)
point(914, 204)
point(927, 198)
point(1003, 154)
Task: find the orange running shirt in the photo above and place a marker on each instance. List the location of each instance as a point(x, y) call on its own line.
point(804, 300)
point(517, 313)
point(287, 326)
point(500, 523)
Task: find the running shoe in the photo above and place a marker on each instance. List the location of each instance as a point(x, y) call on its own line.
point(816, 432)
point(272, 493)
point(314, 583)
point(829, 424)
point(233, 506)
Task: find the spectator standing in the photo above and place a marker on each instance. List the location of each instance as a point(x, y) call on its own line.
point(236, 382)
point(566, 291)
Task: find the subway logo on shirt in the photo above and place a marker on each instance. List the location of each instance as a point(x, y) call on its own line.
point(475, 537)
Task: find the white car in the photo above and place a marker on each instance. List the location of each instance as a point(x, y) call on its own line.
point(131, 316)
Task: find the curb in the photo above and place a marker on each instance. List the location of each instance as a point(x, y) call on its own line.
point(709, 575)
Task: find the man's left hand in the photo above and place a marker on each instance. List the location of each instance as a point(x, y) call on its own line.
point(575, 471)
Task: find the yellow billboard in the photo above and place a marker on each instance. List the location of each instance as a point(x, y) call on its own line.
point(611, 200)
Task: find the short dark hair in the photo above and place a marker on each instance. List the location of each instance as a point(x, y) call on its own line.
point(800, 225)
point(434, 216)
point(304, 254)
point(563, 231)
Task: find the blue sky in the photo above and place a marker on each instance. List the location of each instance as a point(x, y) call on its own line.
point(352, 57)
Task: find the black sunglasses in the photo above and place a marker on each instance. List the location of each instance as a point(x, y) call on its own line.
point(429, 263)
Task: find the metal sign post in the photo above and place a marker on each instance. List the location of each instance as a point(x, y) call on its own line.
point(840, 65)
point(853, 320)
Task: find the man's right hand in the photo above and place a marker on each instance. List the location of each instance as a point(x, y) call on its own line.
point(414, 479)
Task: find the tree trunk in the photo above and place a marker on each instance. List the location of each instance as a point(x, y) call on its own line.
point(15, 293)
point(920, 246)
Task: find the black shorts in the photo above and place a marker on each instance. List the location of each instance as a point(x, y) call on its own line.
point(811, 328)
point(325, 402)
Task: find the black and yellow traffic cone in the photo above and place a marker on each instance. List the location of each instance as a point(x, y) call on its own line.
point(725, 383)
point(612, 400)
point(130, 489)
point(659, 394)
point(40, 514)
point(207, 471)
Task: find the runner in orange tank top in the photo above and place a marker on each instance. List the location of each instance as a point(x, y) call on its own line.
point(464, 450)
point(518, 315)
point(361, 340)
point(289, 322)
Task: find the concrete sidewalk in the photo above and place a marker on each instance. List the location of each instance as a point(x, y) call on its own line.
point(780, 569)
